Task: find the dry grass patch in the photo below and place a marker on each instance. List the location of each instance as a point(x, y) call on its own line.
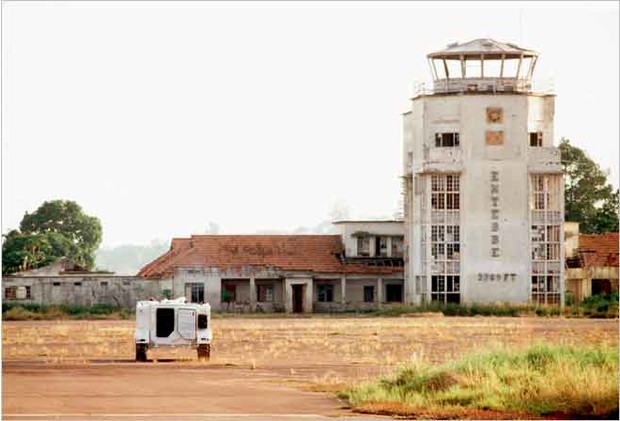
point(539, 380)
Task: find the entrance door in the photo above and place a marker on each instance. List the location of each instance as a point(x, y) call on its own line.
point(298, 298)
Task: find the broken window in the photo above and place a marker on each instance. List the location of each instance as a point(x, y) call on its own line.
point(536, 139)
point(369, 293)
point(545, 289)
point(195, 291)
point(10, 293)
point(397, 247)
point(264, 293)
point(446, 288)
point(363, 246)
point(17, 293)
point(446, 140)
point(325, 293)
point(381, 246)
point(545, 238)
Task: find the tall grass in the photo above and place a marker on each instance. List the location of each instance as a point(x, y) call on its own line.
point(540, 380)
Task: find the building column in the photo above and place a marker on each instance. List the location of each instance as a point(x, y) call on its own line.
point(252, 293)
point(343, 292)
point(379, 291)
point(388, 244)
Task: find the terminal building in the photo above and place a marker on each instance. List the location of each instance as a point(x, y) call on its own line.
point(484, 205)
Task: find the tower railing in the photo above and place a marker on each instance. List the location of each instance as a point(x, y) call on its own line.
point(484, 85)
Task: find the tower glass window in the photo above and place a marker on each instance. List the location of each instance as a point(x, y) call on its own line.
point(545, 238)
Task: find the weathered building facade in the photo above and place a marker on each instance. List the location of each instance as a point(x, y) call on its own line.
point(292, 273)
point(484, 191)
point(63, 282)
point(591, 263)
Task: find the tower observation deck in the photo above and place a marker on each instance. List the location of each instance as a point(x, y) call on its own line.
point(483, 65)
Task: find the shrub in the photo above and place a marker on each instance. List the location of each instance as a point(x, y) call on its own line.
point(13, 311)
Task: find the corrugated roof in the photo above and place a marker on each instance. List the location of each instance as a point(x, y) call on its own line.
point(489, 47)
point(307, 253)
point(599, 250)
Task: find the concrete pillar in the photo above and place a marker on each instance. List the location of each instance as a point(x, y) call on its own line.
point(288, 296)
point(343, 291)
point(379, 291)
point(252, 293)
point(309, 296)
point(388, 244)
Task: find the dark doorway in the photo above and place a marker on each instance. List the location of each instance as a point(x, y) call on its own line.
point(164, 325)
point(601, 286)
point(298, 298)
point(394, 293)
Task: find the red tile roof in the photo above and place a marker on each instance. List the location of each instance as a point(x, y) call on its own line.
point(599, 250)
point(307, 253)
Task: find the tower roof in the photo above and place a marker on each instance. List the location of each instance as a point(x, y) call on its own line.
point(483, 46)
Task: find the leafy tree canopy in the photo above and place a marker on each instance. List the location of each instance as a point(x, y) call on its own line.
point(588, 198)
point(57, 228)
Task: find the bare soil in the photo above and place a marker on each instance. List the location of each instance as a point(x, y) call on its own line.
point(262, 368)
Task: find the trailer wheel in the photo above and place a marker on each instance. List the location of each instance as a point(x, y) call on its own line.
point(141, 352)
point(204, 351)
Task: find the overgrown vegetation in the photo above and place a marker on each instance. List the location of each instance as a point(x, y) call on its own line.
point(598, 306)
point(540, 380)
point(12, 311)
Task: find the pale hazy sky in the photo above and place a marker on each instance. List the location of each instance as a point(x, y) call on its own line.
point(162, 117)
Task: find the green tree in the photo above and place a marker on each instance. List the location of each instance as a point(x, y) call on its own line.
point(57, 228)
point(588, 198)
point(25, 251)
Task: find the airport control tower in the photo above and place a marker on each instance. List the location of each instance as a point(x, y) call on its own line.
point(484, 204)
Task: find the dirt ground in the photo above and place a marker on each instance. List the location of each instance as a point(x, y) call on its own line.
point(260, 368)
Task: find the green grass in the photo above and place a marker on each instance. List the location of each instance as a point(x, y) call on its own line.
point(12, 311)
point(540, 380)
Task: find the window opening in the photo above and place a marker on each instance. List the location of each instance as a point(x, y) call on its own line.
point(536, 139)
point(325, 293)
point(363, 246)
point(369, 293)
point(195, 291)
point(264, 293)
point(446, 140)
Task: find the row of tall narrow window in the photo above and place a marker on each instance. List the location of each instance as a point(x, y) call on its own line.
point(381, 246)
point(451, 139)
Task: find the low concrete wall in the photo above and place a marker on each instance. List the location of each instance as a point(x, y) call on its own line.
point(122, 291)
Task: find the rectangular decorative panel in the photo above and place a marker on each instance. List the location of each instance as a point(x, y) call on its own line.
point(494, 137)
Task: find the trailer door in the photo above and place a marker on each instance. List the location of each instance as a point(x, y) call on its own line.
point(187, 323)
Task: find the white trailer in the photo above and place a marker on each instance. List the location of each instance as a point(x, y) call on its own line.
point(173, 323)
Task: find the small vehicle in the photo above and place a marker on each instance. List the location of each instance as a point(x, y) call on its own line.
point(173, 323)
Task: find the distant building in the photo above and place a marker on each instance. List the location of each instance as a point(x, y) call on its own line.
point(484, 190)
point(65, 282)
point(592, 263)
point(361, 268)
